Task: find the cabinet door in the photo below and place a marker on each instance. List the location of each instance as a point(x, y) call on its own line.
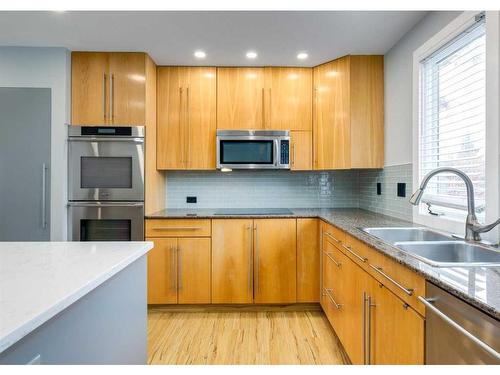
point(89, 88)
point(333, 286)
point(240, 98)
point(127, 88)
point(162, 271)
point(171, 132)
point(232, 261)
point(193, 258)
point(288, 104)
point(308, 254)
point(275, 261)
point(301, 151)
point(397, 331)
point(331, 122)
point(201, 118)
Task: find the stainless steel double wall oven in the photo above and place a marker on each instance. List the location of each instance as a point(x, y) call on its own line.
point(106, 183)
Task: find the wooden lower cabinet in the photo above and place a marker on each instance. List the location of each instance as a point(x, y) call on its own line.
point(308, 253)
point(193, 258)
point(275, 260)
point(162, 271)
point(232, 261)
point(179, 271)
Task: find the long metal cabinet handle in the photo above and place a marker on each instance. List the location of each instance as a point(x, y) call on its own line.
point(257, 262)
point(179, 268)
point(188, 141)
point(263, 109)
point(173, 278)
point(104, 96)
point(249, 228)
point(369, 305)
point(364, 329)
point(329, 255)
point(332, 237)
point(183, 153)
point(44, 196)
point(381, 272)
point(293, 154)
point(328, 291)
point(111, 97)
point(459, 328)
point(363, 259)
point(177, 228)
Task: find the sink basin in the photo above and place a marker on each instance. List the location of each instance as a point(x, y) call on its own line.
point(451, 253)
point(392, 235)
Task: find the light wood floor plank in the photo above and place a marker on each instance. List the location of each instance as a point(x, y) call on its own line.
point(242, 337)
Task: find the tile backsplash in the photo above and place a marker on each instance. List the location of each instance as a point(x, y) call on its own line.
point(388, 203)
point(254, 189)
point(263, 189)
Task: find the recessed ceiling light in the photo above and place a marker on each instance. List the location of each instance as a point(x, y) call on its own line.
point(251, 55)
point(200, 54)
point(302, 56)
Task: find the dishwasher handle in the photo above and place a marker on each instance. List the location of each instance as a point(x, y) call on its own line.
point(455, 325)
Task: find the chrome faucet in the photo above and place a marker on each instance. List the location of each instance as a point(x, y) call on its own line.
point(472, 226)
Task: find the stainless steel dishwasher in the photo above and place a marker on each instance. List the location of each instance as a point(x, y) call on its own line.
point(457, 333)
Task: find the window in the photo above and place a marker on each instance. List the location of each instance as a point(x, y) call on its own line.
point(452, 121)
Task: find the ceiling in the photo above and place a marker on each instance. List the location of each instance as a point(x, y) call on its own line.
point(172, 37)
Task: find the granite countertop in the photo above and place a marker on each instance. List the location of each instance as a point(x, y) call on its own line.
point(480, 286)
point(40, 279)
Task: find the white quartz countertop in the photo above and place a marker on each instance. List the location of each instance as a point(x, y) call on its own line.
point(40, 279)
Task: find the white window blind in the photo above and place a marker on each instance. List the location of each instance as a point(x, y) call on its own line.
point(452, 119)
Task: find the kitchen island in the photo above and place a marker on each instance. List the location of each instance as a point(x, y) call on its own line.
point(69, 302)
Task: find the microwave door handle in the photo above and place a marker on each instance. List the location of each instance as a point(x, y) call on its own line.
point(276, 152)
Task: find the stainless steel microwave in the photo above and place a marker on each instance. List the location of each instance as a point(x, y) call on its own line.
point(106, 163)
point(253, 149)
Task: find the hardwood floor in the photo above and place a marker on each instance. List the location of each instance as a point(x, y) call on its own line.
point(242, 337)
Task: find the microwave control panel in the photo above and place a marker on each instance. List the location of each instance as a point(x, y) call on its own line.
point(285, 152)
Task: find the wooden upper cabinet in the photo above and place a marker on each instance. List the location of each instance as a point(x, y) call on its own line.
point(108, 88)
point(89, 88)
point(127, 88)
point(301, 150)
point(240, 98)
point(275, 260)
point(232, 261)
point(348, 119)
point(288, 99)
point(186, 107)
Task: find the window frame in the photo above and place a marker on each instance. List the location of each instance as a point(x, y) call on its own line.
point(449, 32)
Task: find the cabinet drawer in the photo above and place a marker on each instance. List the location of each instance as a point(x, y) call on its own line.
point(178, 228)
point(332, 235)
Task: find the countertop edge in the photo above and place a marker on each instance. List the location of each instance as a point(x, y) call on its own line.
point(29, 326)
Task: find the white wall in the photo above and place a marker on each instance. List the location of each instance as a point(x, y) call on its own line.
point(48, 68)
point(398, 87)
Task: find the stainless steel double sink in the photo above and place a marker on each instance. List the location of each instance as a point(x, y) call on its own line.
point(435, 248)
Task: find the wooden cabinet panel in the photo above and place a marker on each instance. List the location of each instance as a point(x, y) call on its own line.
point(301, 151)
point(162, 271)
point(333, 286)
point(178, 228)
point(288, 102)
point(348, 113)
point(275, 260)
point(171, 129)
point(89, 88)
point(193, 259)
point(201, 112)
point(127, 92)
point(232, 261)
point(308, 254)
point(240, 98)
point(331, 124)
point(367, 111)
point(397, 331)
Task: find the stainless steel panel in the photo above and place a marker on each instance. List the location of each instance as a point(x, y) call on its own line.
point(133, 211)
point(447, 345)
point(403, 234)
point(132, 148)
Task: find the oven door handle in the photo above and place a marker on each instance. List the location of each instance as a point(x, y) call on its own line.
point(105, 204)
point(94, 139)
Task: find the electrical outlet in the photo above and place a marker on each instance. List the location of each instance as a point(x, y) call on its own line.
point(191, 199)
point(379, 188)
point(401, 189)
